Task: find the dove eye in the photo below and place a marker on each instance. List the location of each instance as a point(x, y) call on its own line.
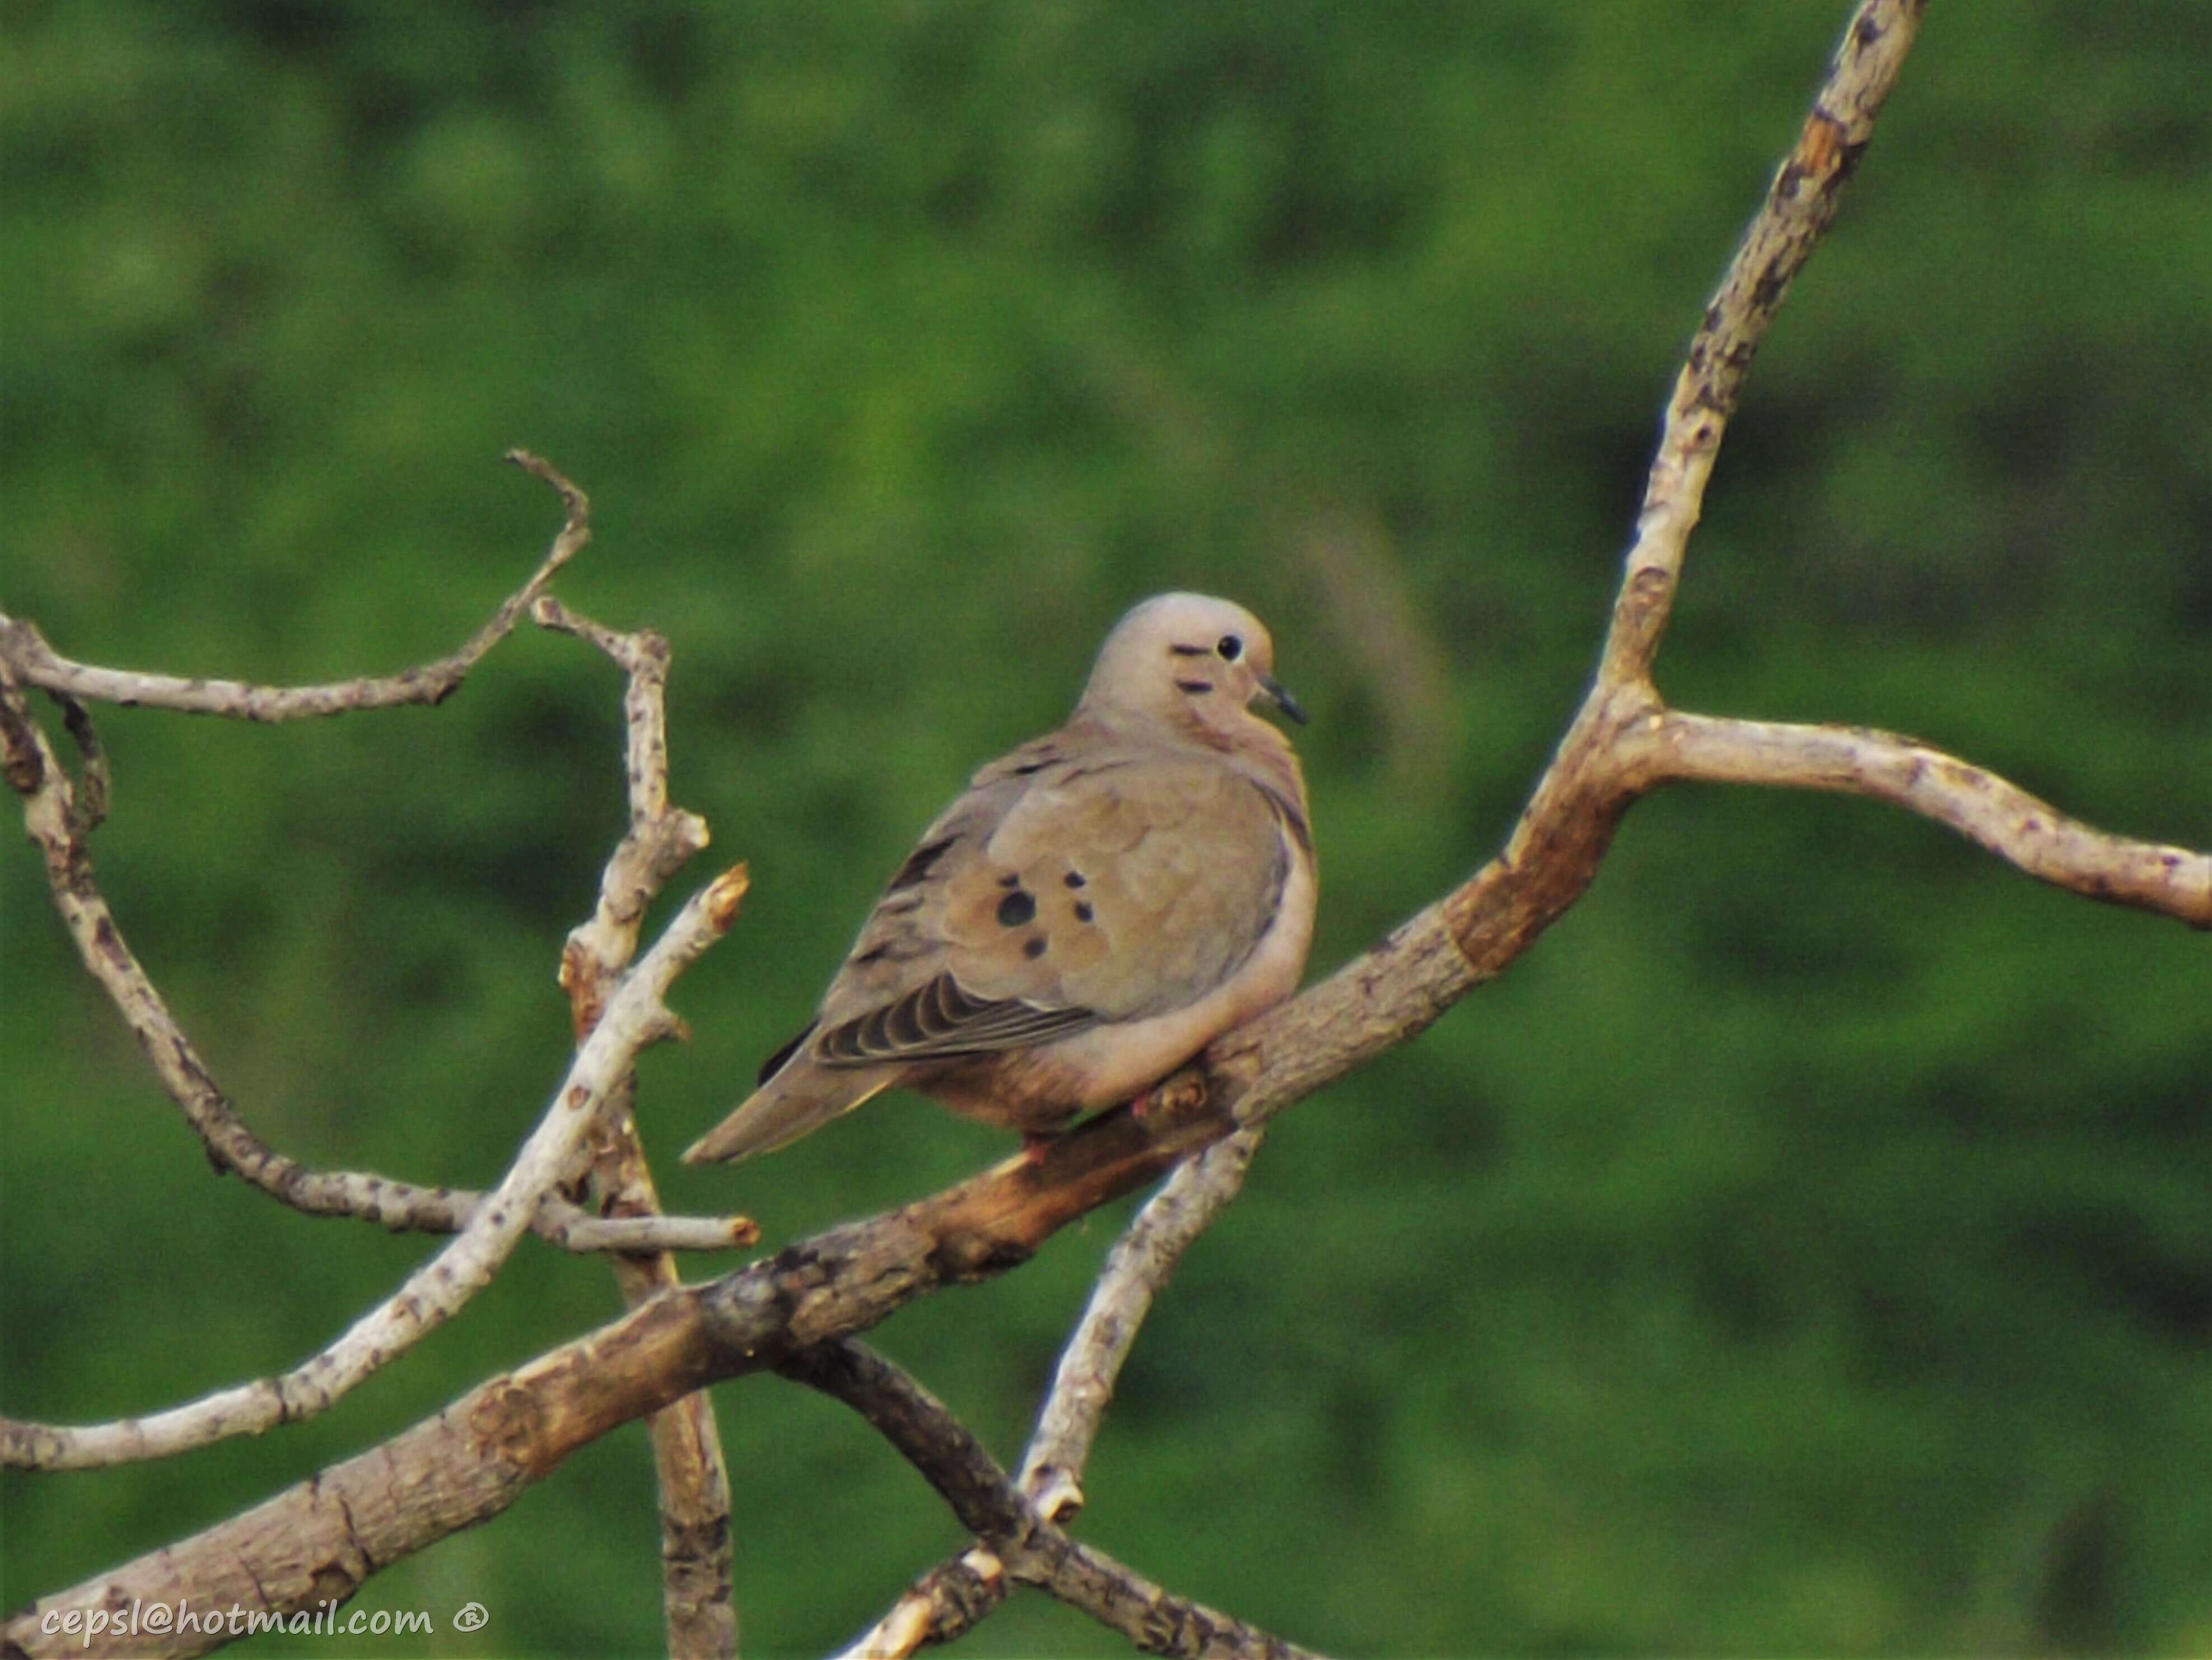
point(1229, 649)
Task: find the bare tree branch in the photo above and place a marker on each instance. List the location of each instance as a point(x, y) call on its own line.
point(299, 1550)
point(59, 823)
point(693, 1480)
point(60, 814)
point(1800, 206)
point(317, 1542)
point(1562, 836)
point(1140, 1264)
point(38, 664)
point(939, 1607)
point(567, 1226)
point(1981, 807)
point(435, 1291)
point(1032, 1549)
point(942, 1604)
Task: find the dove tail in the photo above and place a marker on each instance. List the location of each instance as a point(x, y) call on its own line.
point(799, 1097)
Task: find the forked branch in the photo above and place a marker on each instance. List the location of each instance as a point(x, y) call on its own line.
point(432, 1293)
point(944, 1602)
point(60, 813)
point(1029, 1549)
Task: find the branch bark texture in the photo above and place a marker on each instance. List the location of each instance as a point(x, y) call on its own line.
point(1028, 1546)
point(697, 1605)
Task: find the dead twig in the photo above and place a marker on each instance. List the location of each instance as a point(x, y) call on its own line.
point(943, 1603)
point(693, 1480)
point(60, 814)
point(1031, 1549)
point(38, 664)
point(1995, 815)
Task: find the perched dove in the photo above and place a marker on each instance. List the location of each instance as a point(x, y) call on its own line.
point(1098, 907)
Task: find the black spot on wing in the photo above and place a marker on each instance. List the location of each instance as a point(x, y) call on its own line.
point(1083, 911)
point(1015, 908)
point(1033, 947)
point(1075, 879)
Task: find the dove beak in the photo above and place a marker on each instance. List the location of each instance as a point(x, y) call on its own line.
point(1279, 695)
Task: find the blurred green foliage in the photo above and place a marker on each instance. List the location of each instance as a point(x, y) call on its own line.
point(1807, 1249)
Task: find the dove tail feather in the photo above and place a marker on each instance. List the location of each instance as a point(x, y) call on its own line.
point(801, 1096)
point(774, 1063)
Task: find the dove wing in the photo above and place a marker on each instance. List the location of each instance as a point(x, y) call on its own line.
point(1074, 886)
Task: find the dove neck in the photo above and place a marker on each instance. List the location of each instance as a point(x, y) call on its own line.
point(1250, 745)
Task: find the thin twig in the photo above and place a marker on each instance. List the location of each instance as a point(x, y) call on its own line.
point(573, 1229)
point(1033, 1550)
point(940, 1607)
point(1140, 1264)
point(661, 838)
point(59, 815)
point(693, 1480)
point(1987, 810)
point(38, 664)
point(1800, 204)
point(942, 1604)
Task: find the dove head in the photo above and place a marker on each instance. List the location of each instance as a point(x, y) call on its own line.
point(1192, 662)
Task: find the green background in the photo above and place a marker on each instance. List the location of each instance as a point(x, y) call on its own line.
point(1807, 1248)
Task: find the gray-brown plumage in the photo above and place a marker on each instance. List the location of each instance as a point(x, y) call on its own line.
point(1098, 907)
